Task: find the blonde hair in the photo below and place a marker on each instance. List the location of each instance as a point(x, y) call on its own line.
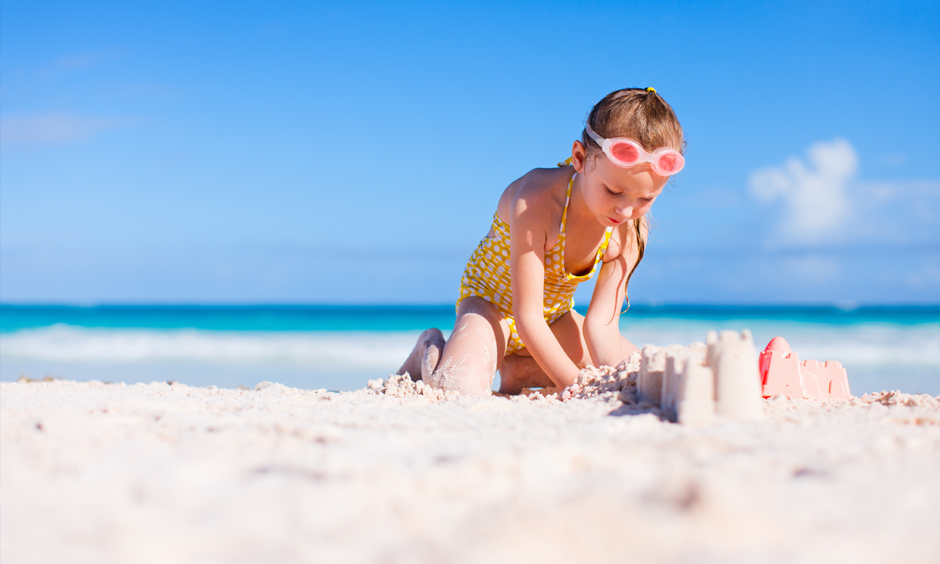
point(640, 114)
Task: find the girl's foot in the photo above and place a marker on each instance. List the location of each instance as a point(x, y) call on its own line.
point(424, 357)
point(433, 345)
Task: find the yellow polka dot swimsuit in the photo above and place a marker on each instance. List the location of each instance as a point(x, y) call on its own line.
point(487, 275)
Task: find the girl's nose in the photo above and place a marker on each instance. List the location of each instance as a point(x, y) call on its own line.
point(626, 211)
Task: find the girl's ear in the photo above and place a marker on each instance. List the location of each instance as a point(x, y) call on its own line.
point(578, 154)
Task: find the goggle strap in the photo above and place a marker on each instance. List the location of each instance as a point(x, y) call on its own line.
point(593, 135)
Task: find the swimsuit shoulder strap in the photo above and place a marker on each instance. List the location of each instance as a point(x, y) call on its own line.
point(603, 250)
point(564, 216)
point(564, 213)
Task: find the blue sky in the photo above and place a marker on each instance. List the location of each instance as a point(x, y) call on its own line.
point(266, 152)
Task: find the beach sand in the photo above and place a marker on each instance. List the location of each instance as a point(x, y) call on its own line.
point(95, 472)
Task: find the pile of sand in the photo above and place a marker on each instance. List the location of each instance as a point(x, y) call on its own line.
point(607, 384)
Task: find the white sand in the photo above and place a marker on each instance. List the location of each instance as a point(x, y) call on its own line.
point(91, 472)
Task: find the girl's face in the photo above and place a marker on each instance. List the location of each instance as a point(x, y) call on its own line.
point(612, 193)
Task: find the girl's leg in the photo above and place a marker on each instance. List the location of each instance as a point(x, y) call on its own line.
point(468, 361)
point(520, 370)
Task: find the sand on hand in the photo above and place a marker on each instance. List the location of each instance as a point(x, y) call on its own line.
point(399, 472)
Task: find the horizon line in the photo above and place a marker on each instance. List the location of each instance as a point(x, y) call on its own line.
point(846, 305)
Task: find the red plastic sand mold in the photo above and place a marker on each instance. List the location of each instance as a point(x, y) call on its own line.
point(782, 374)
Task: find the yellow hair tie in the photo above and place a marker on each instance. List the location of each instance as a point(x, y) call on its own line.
point(651, 89)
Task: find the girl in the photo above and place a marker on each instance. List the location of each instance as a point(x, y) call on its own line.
point(515, 312)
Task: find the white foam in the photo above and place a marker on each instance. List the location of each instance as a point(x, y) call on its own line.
point(873, 345)
point(875, 348)
point(344, 350)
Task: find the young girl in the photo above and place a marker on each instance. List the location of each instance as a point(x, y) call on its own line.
point(551, 229)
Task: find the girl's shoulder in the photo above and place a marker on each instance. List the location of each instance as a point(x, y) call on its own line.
point(541, 190)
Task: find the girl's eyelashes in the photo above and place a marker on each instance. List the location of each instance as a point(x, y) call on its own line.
point(642, 201)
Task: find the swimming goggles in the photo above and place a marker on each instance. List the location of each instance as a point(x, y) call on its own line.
point(627, 153)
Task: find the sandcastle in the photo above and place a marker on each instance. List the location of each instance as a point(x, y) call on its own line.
point(782, 374)
point(698, 384)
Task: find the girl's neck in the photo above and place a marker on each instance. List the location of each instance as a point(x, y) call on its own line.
point(577, 209)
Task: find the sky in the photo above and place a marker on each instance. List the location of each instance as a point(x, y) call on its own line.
point(285, 152)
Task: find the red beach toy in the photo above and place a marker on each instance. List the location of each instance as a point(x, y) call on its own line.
point(782, 374)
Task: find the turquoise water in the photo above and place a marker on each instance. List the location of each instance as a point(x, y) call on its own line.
point(341, 347)
point(407, 318)
point(230, 318)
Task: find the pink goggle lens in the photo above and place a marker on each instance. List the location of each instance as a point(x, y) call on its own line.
point(669, 163)
point(625, 153)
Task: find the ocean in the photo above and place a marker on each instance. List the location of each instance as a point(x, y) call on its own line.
point(341, 347)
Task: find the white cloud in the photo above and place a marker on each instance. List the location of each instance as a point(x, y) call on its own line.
point(53, 129)
point(813, 191)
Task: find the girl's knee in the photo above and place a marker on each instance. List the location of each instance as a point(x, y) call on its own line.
point(468, 380)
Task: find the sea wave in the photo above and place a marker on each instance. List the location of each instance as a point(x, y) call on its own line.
point(857, 345)
point(868, 344)
point(350, 350)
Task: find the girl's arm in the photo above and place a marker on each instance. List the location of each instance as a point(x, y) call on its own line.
point(602, 322)
point(527, 266)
